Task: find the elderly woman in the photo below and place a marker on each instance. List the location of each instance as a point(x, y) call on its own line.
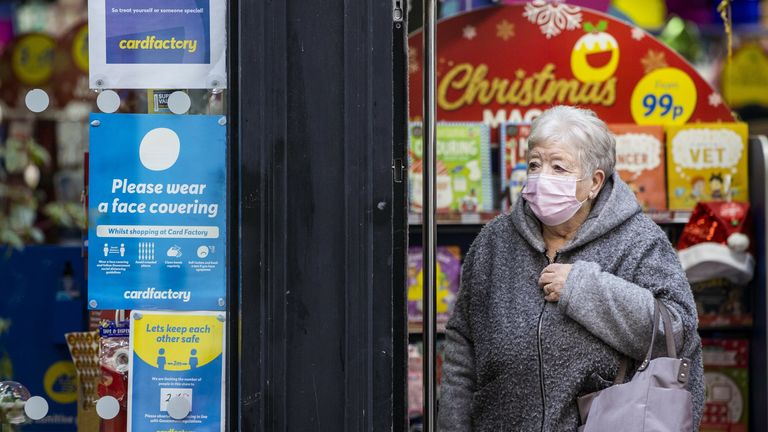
point(556, 293)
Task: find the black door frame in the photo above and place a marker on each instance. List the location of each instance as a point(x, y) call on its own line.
point(318, 116)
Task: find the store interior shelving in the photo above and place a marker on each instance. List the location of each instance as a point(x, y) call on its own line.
point(455, 229)
point(460, 230)
point(482, 218)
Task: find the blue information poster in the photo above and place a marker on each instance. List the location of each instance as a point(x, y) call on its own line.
point(42, 289)
point(176, 372)
point(157, 43)
point(157, 212)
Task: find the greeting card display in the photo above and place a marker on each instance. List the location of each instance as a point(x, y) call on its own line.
point(416, 374)
point(722, 303)
point(463, 175)
point(514, 148)
point(448, 263)
point(706, 162)
point(415, 382)
point(726, 375)
point(640, 163)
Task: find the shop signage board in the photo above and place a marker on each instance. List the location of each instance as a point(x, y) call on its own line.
point(157, 43)
point(511, 62)
point(42, 300)
point(177, 364)
point(157, 212)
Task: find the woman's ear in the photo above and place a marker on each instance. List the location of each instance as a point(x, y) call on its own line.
point(598, 180)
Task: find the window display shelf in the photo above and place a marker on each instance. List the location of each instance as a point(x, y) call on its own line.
point(482, 218)
point(456, 218)
point(708, 330)
point(670, 217)
point(416, 327)
point(712, 323)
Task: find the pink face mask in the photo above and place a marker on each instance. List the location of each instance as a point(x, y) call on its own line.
point(552, 198)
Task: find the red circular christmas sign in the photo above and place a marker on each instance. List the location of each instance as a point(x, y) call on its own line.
point(511, 62)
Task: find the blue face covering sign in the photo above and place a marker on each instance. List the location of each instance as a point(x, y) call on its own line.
point(157, 212)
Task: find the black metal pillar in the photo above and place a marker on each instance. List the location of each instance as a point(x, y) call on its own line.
point(320, 101)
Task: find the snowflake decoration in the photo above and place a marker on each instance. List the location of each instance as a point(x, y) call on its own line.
point(553, 17)
point(715, 100)
point(469, 32)
point(441, 62)
point(653, 60)
point(505, 30)
point(637, 33)
point(413, 60)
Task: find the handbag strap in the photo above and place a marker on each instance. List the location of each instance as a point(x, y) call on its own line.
point(623, 368)
point(659, 310)
point(668, 332)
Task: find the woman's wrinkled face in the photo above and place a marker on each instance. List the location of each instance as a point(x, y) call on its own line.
point(556, 159)
point(553, 159)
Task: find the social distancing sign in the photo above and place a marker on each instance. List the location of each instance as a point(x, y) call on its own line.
point(176, 377)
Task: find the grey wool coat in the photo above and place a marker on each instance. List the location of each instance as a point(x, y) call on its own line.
point(514, 362)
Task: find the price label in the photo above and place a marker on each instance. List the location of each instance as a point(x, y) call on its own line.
point(666, 96)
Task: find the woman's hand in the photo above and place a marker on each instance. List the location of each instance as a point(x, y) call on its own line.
point(552, 280)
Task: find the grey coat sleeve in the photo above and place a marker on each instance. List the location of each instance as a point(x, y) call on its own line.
point(458, 380)
point(619, 311)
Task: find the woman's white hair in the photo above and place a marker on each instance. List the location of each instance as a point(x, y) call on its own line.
point(566, 125)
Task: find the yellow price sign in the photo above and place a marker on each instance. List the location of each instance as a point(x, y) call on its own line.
point(666, 96)
point(80, 49)
point(32, 59)
point(60, 382)
point(745, 77)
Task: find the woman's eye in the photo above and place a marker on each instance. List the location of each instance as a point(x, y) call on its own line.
point(558, 168)
point(532, 166)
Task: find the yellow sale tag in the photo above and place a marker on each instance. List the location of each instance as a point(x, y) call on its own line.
point(666, 96)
